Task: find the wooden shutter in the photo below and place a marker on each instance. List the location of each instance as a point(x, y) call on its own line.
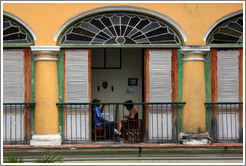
point(227, 74)
point(77, 76)
point(228, 91)
point(160, 121)
point(160, 75)
point(13, 77)
point(77, 91)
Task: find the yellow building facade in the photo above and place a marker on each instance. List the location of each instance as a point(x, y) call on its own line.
point(196, 36)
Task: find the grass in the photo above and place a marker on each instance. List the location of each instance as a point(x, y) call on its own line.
point(46, 158)
point(12, 159)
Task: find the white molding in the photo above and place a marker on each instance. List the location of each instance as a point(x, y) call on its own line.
point(31, 31)
point(219, 21)
point(195, 50)
point(121, 8)
point(46, 140)
point(46, 59)
point(193, 59)
point(49, 50)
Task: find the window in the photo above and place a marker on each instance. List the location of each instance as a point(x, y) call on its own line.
point(14, 33)
point(17, 81)
point(228, 32)
point(226, 60)
point(107, 58)
point(120, 28)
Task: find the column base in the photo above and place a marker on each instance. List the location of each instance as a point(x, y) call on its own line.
point(46, 140)
point(195, 139)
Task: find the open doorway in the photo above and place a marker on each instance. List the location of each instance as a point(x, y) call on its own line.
point(117, 76)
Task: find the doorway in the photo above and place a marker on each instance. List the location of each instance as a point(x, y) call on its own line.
point(117, 74)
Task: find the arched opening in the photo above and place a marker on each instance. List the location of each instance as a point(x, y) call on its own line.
point(224, 64)
point(18, 80)
point(118, 55)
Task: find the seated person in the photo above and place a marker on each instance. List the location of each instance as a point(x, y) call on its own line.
point(132, 116)
point(111, 125)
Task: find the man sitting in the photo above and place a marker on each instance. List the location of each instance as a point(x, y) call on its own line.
point(110, 125)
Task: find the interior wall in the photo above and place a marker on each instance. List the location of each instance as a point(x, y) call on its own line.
point(131, 67)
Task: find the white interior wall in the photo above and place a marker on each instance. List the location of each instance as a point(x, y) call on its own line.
point(131, 67)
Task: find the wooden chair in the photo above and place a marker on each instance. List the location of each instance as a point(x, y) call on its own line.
point(99, 131)
point(133, 131)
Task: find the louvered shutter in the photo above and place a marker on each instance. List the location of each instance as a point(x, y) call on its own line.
point(160, 122)
point(13, 77)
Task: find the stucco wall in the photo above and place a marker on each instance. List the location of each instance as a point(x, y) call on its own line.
point(194, 18)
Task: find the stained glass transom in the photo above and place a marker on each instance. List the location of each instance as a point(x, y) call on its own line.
point(228, 32)
point(14, 33)
point(120, 28)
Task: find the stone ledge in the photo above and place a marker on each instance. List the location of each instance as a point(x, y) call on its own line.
point(195, 139)
point(46, 140)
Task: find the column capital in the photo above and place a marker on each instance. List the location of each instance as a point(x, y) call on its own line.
point(49, 50)
point(195, 50)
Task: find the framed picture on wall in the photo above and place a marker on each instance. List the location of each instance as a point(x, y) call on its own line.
point(132, 81)
point(129, 91)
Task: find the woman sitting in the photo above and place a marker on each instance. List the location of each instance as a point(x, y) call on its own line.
point(133, 115)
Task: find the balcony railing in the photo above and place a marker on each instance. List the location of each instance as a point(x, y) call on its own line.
point(156, 122)
point(17, 123)
point(226, 121)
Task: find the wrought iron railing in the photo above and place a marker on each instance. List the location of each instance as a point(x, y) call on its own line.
point(156, 122)
point(226, 121)
point(17, 123)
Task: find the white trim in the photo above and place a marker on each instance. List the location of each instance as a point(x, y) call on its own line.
point(195, 50)
point(46, 59)
point(46, 140)
point(30, 30)
point(219, 21)
point(50, 50)
point(121, 8)
point(193, 59)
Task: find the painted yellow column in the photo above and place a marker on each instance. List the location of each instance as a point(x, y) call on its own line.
point(194, 113)
point(46, 96)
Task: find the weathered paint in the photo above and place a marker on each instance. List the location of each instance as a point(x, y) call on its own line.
point(60, 89)
point(121, 145)
point(33, 72)
point(240, 73)
point(194, 119)
point(46, 113)
point(208, 91)
point(194, 18)
point(180, 91)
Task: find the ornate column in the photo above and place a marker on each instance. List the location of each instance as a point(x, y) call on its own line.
point(46, 96)
point(194, 113)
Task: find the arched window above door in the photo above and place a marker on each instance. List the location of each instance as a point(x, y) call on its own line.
point(227, 31)
point(16, 31)
point(120, 28)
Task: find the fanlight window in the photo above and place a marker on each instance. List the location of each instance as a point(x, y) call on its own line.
point(228, 32)
point(120, 28)
point(15, 33)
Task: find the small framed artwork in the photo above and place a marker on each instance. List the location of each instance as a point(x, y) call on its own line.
point(132, 81)
point(129, 91)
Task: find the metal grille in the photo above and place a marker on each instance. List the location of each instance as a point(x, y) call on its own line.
point(225, 121)
point(16, 123)
point(80, 126)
